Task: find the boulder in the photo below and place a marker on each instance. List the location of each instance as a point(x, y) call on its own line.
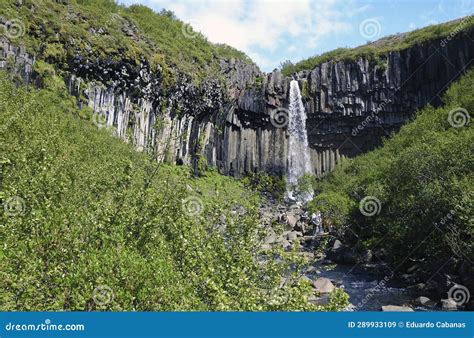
point(340, 253)
point(337, 245)
point(320, 301)
point(291, 220)
point(366, 256)
point(291, 235)
point(409, 278)
point(285, 244)
point(448, 305)
point(349, 256)
point(418, 287)
point(413, 268)
point(431, 285)
point(380, 254)
point(323, 285)
point(443, 282)
point(300, 226)
point(270, 239)
point(425, 301)
point(396, 308)
point(326, 262)
point(297, 211)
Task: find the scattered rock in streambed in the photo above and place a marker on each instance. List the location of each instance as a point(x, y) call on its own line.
point(413, 268)
point(308, 255)
point(326, 262)
point(271, 238)
point(290, 235)
point(285, 244)
point(448, 305)
point(342, 254)
point(366, 256)
point(291, 220)
point(313, 270)
point(350, 308)
point(300, 226)
point(349, 257)
point(337, 245)
point(418, 287)
point(443, 282)
point(409, 278)
point(396, 308)
point(323, 285)
point(321, 300)
point(425, 301)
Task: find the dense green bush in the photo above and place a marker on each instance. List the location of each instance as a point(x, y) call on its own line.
point(88, 223)
point(423, 180)
point(333, 206)
point(265, 183)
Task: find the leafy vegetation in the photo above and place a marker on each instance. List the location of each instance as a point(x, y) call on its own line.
point(56, 31)
point(333, 206)
point(90, 224)
point(422, 178)
point(374, 51)
point(266, 184)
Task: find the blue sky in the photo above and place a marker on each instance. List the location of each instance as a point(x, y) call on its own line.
point(271, 31)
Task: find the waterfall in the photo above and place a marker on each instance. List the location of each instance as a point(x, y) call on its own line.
point(299, 162)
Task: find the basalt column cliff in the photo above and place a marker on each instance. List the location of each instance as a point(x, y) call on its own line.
point(238, 124)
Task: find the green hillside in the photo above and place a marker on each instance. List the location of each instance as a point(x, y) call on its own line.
point(423, 179)
point(84, 210)
point(377, 50)
point(56, 31)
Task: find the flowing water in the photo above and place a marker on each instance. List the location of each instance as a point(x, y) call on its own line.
point(299, 162)
point(368, 291)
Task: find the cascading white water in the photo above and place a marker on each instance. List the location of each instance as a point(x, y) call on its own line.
point(299, 162)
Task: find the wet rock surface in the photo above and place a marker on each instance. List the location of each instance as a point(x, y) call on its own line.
point(369, 281)
point(395, 308)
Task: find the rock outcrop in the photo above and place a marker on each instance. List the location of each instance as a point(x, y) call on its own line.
point(238, 124)
point(351, 106)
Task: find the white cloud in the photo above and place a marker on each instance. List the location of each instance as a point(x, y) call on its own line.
point(269, 25)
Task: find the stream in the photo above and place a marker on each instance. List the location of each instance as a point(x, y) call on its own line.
point(366, 285)
point(367, 291)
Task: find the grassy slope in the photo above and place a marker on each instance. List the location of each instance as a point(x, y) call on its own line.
point(98, 213)
point(378, 49)
point(98, 28)
point(420, 175)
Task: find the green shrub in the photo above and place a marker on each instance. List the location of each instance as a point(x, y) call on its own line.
point(91, 224)
point(333, 206)
point(423, 179)
point(266, 183)
point(305, 183)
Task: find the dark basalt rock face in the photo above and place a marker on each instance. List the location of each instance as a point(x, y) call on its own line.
point(351, 106)
point(238, 123)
